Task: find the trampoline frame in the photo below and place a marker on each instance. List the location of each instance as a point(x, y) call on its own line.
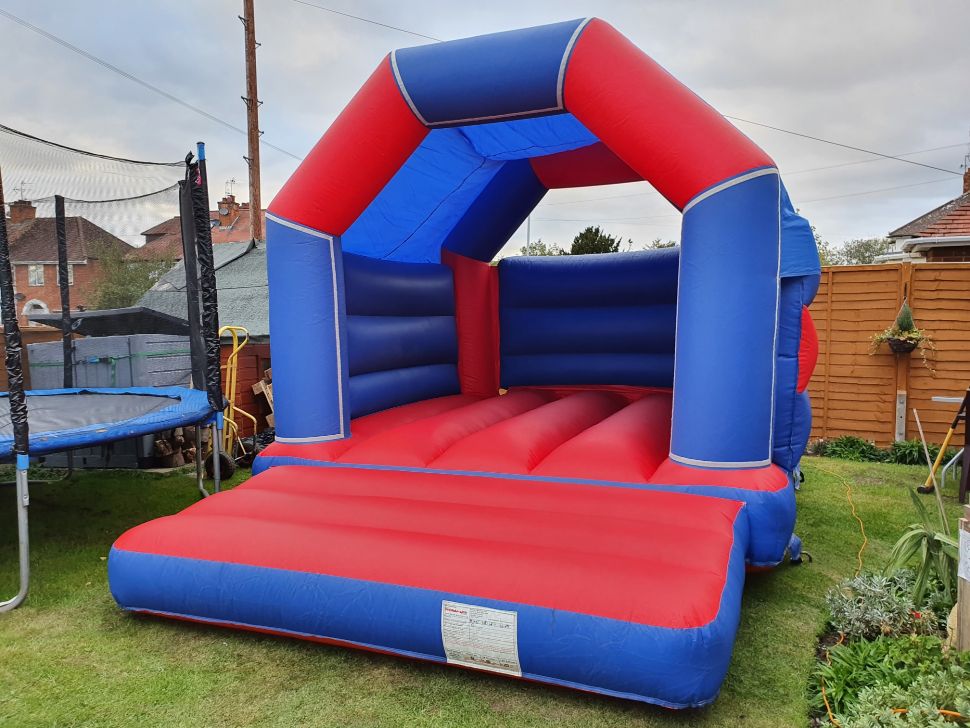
point(203, 338)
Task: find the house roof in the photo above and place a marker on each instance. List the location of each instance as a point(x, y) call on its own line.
point(35, 241)
point(240, 283)
point(948, 220)
point(165, 239)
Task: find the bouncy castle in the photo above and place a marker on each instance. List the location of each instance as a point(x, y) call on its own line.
point(555, 468)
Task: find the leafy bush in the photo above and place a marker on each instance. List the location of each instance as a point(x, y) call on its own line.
point(918, 703)
point(887, 664)
point(817, 447)
point(873, 605)
point(910, 452)
point(850, 447)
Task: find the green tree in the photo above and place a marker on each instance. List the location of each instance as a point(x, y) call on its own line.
point(538, 247)
point(826, 253)
point(863, 251)
point(123, 280)
point(658, 244)
point(594, 240)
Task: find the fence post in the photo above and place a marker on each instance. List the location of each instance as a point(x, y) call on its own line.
point(829, 285)
point(902, 360)
point(963, 584)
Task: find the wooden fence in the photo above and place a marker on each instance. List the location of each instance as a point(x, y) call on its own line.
point(872, 395)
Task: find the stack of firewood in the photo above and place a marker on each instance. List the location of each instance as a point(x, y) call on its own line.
point(177, 447)
point(264, 387)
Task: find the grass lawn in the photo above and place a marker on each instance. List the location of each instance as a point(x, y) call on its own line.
point(71, 657)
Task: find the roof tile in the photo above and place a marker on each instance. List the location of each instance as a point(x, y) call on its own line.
point(36, 240)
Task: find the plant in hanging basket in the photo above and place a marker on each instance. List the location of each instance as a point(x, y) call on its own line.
point(902, 345)
point(903, 336)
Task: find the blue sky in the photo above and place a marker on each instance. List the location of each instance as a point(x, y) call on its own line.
point(888, 76)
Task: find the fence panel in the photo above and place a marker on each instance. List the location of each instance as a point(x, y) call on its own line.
point(857, 392)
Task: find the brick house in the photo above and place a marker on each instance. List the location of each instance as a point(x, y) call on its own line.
point(33, 258)
point(230, 224)
point(940, 236)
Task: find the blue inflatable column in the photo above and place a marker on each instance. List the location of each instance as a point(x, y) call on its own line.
point(727, 320)
point(307, 323)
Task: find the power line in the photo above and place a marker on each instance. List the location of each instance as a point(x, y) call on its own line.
point(630, 220)
point(872, 192)
point(367, 20)
point(870, 161)
point(135, 79)
point(785, 174)
point(840, 144)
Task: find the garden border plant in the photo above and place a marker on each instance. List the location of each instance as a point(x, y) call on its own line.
point(852, 447)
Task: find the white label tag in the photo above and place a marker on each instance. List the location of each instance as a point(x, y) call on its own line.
point(964, 568)
point(480, 637)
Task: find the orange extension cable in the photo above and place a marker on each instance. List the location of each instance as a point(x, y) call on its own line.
point(862, 548)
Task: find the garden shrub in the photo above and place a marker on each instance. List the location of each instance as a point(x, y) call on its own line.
point(850, 447)
point(916, 703)
point(816, 447)
point(887, 663)
point(874, 605)
point(910, 452)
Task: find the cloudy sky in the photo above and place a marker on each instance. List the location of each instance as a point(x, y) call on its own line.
point(885, 76)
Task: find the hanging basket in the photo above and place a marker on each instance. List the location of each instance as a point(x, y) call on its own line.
point(902, 346)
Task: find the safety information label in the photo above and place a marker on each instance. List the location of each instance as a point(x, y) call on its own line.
point(964, 568)
point(480, 637)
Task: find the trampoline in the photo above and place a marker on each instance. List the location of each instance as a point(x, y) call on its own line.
point(64, 419)
point(54, 420)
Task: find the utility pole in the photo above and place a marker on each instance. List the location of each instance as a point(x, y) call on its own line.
point(252, 122)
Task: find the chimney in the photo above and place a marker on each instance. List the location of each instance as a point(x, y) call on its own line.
point(228, 210)
point(22, 211)
point(966, 180)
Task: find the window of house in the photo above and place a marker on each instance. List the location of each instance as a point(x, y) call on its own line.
point(35, 274)
point(70, 274)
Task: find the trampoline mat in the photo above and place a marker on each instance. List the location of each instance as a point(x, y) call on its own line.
point(55, 412)
point(65, 419)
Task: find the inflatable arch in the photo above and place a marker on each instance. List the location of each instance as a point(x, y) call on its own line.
point(474, 462)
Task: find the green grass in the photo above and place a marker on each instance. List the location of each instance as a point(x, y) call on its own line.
point(70, 657)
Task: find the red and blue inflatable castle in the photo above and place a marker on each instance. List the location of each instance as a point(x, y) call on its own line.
point(555, 468)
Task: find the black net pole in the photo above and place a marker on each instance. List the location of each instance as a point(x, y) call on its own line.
point(191, 264)
point(63, 283)
point(207, 278)
point(11, 331)
point(18, 412)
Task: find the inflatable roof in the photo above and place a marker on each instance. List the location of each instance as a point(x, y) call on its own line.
point(452, 145)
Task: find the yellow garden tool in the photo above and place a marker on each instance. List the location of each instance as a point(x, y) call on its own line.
point(233, 448)
point(961, 416)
